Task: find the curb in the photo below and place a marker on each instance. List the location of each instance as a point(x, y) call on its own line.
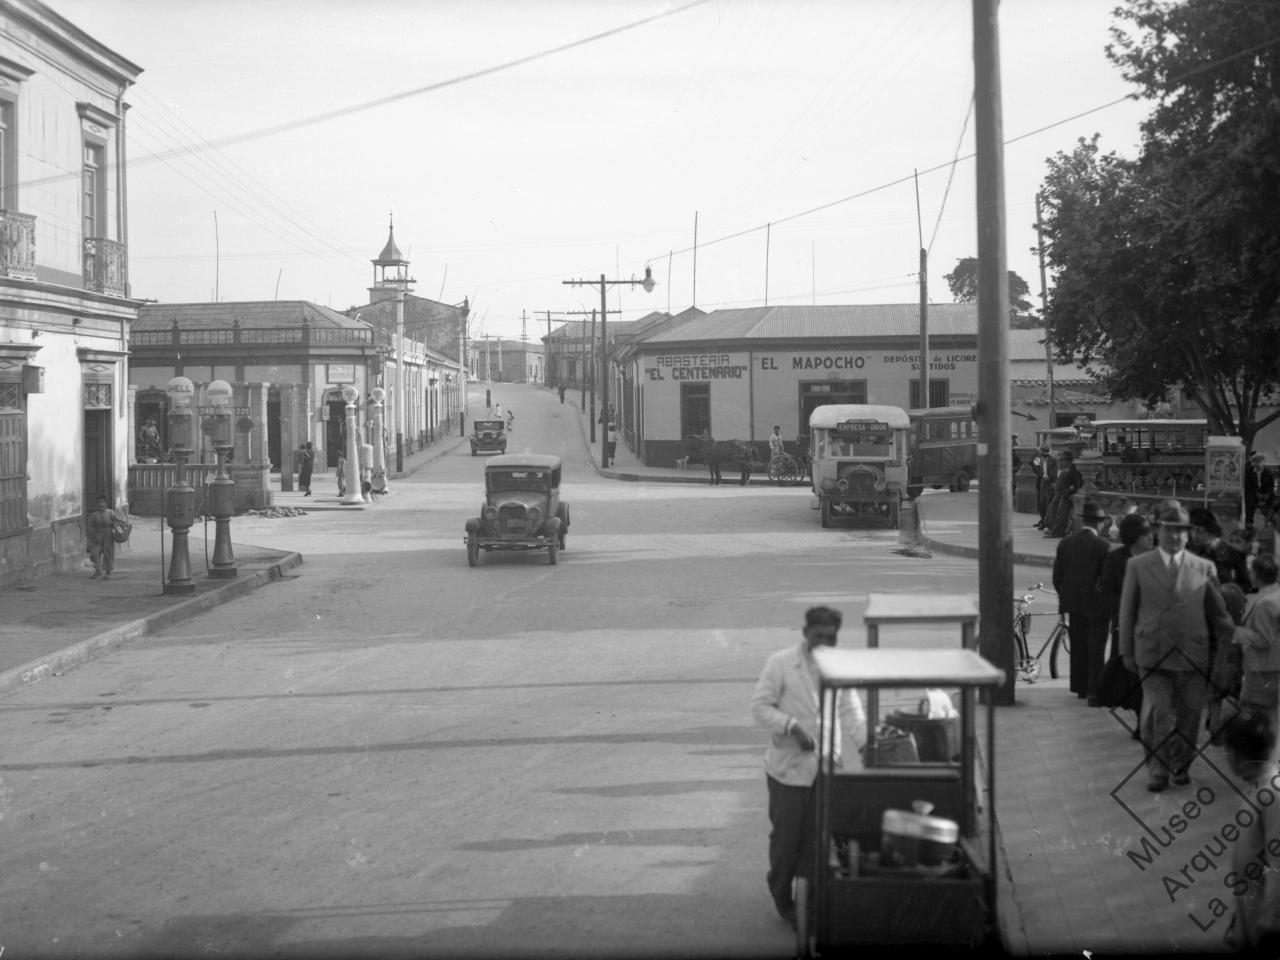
point(1026, 559)
point(55, 663)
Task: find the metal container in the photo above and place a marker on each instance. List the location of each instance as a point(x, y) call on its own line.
point(910, 838)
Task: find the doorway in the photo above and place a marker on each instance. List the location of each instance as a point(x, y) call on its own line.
point(695, 408)
point(273, 430)
point(98, 474)
point(335, 429)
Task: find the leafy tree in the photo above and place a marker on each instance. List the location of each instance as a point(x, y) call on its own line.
point(963, 281)
point(1166, 267)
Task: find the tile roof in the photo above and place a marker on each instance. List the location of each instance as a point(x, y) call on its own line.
point(250, 314)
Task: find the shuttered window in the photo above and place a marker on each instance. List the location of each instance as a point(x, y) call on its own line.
point(13, 460)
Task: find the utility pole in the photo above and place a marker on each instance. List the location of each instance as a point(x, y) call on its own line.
point(1044, 315)
point(589, 372)
point(924, 307)
point(995, 506)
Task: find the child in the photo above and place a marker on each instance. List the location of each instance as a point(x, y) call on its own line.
point(102, 548)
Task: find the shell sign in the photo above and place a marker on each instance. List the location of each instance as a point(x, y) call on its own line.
point(218, 393)
point(180, 391)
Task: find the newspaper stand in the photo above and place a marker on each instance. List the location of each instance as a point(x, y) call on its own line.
point(854, 900)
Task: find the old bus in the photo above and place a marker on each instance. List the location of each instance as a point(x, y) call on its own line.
point(859, 456)
point(943, 449)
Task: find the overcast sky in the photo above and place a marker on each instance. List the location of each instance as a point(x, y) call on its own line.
point(586, 160)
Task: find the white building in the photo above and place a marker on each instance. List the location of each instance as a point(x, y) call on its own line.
point(65, 309)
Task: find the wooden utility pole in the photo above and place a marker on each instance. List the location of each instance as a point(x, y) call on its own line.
point(924, 306)
point(995, 505)
point(1044, 316)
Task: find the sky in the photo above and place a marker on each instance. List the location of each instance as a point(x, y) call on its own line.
point(521, 143)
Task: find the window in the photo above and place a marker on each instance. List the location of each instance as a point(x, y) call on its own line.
point(939, 393)
point(8, 157)
point(695, 408)
point(13, 460)
point(94, 201)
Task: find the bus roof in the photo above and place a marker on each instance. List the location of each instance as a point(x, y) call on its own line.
point(831, 415)
point(1128, 424)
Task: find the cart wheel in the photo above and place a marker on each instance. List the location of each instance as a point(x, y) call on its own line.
point(803, 947)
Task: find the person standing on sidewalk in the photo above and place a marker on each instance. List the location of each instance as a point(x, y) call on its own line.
point(786, 704)
point(306, 463)
point(1057, 520)
point(1077, 567)
point(102, 547)
point(1169, 604)
point(1260, 640)
point(1046, 479)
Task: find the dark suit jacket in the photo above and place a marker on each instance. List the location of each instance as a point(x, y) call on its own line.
point(1076, 567)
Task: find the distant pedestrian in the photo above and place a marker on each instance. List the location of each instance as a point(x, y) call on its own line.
point(306, 463)
point(786, 704)
point(1057, 519)
point(712, 458)
point(102, 547)
point(561, 388)
point(511, 421)
point(744, 459)
point(1046, 477)
point(776, 449)
point(1076, 569)
point(1169, 605)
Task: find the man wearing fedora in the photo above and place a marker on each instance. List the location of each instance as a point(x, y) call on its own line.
point(1076, 568)
point(1046, 469)
point(1169, 604)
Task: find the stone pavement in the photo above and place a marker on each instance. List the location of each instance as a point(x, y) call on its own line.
point(1085, 868)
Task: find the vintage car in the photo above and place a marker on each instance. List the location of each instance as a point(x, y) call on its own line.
point(488, 436)
point(522, 509)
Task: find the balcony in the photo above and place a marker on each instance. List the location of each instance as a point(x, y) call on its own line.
point(106, 269)
point(17, 245)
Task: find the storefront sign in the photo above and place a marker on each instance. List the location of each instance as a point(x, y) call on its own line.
point(696, 366)
point(342, 372)
point(940, 361)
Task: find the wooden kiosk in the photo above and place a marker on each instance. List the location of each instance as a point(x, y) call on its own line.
point(855, 899)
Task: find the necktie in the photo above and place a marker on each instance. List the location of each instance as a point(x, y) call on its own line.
point(1173, 566)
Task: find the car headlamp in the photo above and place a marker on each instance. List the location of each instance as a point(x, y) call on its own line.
point(491, 512)
point(534, 516)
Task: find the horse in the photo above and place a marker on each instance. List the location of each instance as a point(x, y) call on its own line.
point(742, 453)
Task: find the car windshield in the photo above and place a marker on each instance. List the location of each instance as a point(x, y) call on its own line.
point(531, 479)
point(481, 425)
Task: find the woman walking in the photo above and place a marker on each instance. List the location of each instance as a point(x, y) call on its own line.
point(308, 459)
point(102, 548)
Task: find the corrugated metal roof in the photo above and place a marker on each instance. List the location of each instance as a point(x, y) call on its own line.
point(818, 322)
point(250, 314)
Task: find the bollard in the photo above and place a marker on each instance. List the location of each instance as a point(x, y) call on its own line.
point(222, 503)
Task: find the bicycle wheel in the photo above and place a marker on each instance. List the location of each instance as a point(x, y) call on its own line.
point(1058, 639)
point(1028, 667)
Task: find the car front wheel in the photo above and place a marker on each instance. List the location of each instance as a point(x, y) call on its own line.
point(553, 552)
point(473, 552)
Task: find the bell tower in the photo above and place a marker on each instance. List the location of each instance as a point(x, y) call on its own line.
point(390, 270)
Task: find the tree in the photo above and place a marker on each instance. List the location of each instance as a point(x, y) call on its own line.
point(963, 281)
point(1166, 268)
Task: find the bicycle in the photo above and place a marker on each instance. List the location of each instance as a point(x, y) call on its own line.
point(1028, 667)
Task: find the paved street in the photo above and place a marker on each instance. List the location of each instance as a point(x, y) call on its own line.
point(390, 752)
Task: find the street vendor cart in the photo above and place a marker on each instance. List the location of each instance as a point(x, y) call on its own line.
point(904, 853)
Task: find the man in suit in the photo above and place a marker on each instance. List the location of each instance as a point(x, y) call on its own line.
point(1076, 567)
point(1046, 469)
point(1169, 604)
point(1057, 520)
point(1259, 489)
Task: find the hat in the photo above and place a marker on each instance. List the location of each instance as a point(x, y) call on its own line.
point(1203, 518)
point(1133, 526)
point(1044, 448)
point(1174, 517)
point(1093, 511)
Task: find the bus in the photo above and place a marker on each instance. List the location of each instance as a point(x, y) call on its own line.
point(859, 456)
point(1144, 441)
point(944, 449)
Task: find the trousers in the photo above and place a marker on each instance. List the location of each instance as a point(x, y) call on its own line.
point(1172, 701)
point(790, 839)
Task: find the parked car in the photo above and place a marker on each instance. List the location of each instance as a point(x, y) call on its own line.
point(489, 436)
point(522, 509)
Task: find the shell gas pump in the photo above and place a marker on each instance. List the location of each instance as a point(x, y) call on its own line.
point(181, 497)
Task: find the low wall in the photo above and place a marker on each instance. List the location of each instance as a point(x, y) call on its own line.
point(149, 481)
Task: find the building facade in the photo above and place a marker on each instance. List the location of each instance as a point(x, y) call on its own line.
point(507, 361)
point(65, 304)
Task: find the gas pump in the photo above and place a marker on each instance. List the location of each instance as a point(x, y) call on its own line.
point(222, 489)
point(181, 497)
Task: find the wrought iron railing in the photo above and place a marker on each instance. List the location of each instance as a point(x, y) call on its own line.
point(17, 245)
point(106, 268)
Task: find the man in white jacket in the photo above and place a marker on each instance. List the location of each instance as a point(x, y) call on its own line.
point(786, 704)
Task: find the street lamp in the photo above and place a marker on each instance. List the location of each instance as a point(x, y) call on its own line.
point(648, 284)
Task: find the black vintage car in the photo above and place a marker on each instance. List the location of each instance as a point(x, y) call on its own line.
point(488, 436)
point(521, 509)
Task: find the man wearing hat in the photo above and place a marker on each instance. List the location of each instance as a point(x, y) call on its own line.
point(1046, 469)
point(1057, 519)
point(1076, 568)
point(1168, 605)
point(1259, 489)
